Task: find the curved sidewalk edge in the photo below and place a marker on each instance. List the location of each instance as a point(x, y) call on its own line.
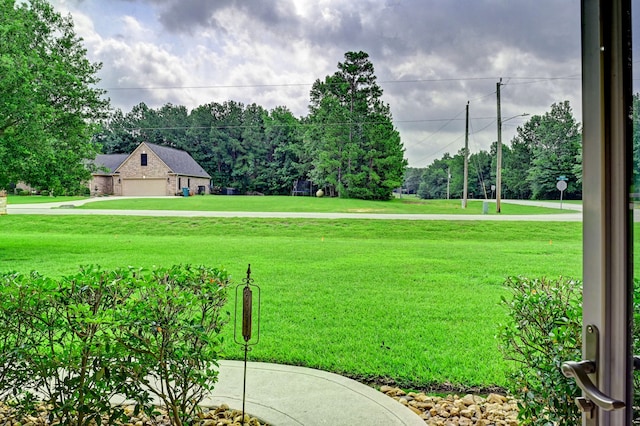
point(284, 395)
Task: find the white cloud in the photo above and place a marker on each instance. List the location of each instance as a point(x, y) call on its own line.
point(134, 29)
point(201, 51)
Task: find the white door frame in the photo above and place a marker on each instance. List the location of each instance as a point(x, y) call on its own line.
point(607, 213)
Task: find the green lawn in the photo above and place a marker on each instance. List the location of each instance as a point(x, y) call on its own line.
point(417, 302)
point(312, 204)
point(39, 199)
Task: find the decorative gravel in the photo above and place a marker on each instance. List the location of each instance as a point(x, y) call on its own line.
point(216, 416)
point(454, 410)
point(451, 410)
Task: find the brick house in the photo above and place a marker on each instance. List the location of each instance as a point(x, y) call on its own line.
point(149, 170)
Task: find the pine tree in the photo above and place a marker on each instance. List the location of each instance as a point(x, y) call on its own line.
point(354, 147)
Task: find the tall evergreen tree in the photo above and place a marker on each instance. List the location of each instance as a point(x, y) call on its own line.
point(201, 137)
point(352, 142)
point(327, 145)
point(251, 159)
point(284, 163)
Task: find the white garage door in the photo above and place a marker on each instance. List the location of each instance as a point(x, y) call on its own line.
point(141, 187)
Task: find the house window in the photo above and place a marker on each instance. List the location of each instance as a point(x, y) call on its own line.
point(143, 159)
point(179, 182)
point(189, 183)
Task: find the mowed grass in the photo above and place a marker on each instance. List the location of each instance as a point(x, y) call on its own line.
point(313, 204)
point(39, 199)
point(414, 301)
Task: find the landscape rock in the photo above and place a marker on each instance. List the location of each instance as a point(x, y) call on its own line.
point(450, 410)
point(215, 416)
point(453, 410)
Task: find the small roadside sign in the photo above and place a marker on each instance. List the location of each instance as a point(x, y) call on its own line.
point(561, 185)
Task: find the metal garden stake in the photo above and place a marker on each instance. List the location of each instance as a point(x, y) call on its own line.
point(248, 314)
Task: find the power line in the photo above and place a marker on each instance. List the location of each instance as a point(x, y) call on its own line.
point(221, 86)
point(491, 123)
point(483, 96)
point(493, 120)
point(540, 80)
point(345, 123)
point(441, 149)
point(259, 85)
point(472, 133)
point(440, 128)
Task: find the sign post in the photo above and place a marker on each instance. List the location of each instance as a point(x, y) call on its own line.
point(3, 202)
point(561, 185)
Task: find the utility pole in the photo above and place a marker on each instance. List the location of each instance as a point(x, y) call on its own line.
point(465, 186)
point(448, 181)
point(499, 152)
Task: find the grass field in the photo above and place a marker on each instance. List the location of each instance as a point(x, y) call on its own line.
point(417, 302)
point(312, 204)
point(37, 199)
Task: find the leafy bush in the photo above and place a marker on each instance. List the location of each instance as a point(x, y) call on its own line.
point(78, 341)
point(544, 330)
point(171, 327)
point(62, 354)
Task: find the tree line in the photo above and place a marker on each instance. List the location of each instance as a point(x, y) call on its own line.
point(245, 147)
point(545, 148)
point(53, 122)
point(346, 145)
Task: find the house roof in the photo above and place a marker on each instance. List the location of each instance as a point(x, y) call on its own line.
point(109, 161)
point(180, 162)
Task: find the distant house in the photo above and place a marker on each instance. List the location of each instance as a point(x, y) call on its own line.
point(149, 170)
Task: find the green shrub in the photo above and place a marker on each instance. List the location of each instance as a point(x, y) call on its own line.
point(171, 328)
point(24, 192)
point(63, 345)
point(80, 340)
point(543, 331)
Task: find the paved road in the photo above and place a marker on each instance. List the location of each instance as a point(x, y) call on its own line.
point(66, 208)
point(548, 204)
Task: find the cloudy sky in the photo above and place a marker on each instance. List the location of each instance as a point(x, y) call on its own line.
point(430, 57)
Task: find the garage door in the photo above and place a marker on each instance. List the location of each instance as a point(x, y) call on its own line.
point(141, 187)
